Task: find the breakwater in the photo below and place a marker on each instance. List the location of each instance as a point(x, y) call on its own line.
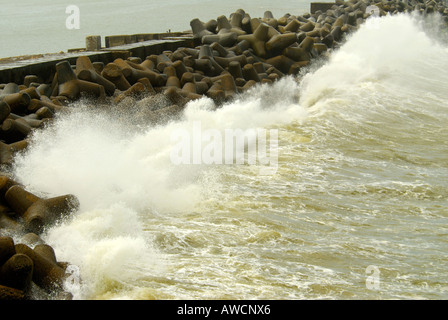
point(188, 90)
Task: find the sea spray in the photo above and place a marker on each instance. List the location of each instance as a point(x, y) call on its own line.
point(123, 174)
point(93, 148)
point(379, 54)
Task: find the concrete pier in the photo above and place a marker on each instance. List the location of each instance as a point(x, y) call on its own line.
point(93, 43)
point(15, 69)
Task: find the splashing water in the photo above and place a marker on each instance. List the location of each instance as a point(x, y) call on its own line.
point(362, 161)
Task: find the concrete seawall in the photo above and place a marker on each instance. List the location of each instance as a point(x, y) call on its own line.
point(15, 69)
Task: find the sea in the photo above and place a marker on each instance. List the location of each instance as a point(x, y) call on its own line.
point(354, 208)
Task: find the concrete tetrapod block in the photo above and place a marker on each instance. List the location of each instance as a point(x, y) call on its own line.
point(292, 26)
point(149, 63)
point(46, 251)
point(14, 130)
point(283, 21)
point(205, 51)
point(31, 239)
point(249, 84)
point(269, 19)
point(202, 86)
point(18, 102)
point(45, 89)
point(46, 274)
point(44, 101)
point(228, 86)
point(245, 23)
point(8, 293)
point(180, 97)
point(226, 39)
point(179, 54)
point(281, 63)
point(5, 184)
point(190, 88)
point(113, 73)
point(8, 222)
point(187, 77)
point(328, 40)
point(72, 87)
point(240, 47)
point(224, 62)
point(258, 39)
point(297, 54)
point(86, 71)
point(211, 25)
point(163, 61)
point(307, 27)
point(180, 68)
point(235, 69)
point(307, 44)
point(297, 66)
point(336, 33)
point(236, 18)
point(198, 28)
point(188, 83)
point(216, 68)
point(17, 272)
point(216, 93)
point(174, 97)
point(224, 24)
point(279, 42)
point(250, 73)
point(32, 120)
point(32, 92)
point(98, 66)
point(172, 80)
point(259, 67)
point(31, 78)
point(133, 72)
point(148, 86)
point(36, 212)
point(7, 249)
point(7, 151)
point(9, 88)
point(5, 110)
point(136, 90)
point(204, 65)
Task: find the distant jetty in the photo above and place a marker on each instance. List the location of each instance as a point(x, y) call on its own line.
point(219, 59)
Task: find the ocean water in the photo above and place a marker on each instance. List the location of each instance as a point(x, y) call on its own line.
point(356, 209)
point(36, 27)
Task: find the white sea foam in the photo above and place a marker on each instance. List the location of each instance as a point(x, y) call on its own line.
point(392, 52)
point(119, 173)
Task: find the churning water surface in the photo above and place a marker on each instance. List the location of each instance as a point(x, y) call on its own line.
point(360, 190)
